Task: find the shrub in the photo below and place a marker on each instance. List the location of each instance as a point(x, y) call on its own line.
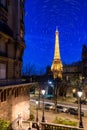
point(32, 117)
point(65, 122)
point(5, 125)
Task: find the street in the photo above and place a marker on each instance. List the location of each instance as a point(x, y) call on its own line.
point(65, 104)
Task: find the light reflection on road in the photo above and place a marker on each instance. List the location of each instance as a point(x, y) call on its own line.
point(84, 107)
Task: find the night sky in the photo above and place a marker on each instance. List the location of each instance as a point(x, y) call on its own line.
point(41, 19)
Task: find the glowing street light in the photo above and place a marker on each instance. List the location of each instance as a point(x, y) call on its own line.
point(36, 110)
point(43, 93)
point(79, 112)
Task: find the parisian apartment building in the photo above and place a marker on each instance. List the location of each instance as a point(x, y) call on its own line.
point(11, 38)
point(14, 96)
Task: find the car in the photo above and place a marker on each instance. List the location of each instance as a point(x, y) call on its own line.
point(82, 102)
point(74, 111)
point(65, 109)
point(49, 107)
point(59, 108)
point(62, 109)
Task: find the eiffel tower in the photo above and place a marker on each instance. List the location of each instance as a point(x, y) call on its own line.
point(57, 67)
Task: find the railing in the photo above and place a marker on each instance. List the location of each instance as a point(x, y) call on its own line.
point(4, 82)
point(50, 126)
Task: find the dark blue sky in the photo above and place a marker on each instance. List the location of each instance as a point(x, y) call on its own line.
point(41, 19)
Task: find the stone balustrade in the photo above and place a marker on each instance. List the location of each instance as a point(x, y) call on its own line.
point(51, 126)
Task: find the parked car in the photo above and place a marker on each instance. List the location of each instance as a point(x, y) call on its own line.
point(49, 107)
point(74, 111)
point(62, 109)
point(82, 102)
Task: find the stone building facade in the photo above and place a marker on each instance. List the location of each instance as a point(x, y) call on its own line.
point(76, 74)
point(14, 96)
point(14, 100)
point(11, 38)
point(73, 70)
point(77, 69)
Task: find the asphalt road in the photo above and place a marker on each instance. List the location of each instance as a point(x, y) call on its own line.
point(65, 104)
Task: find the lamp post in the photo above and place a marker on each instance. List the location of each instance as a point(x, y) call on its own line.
point(74, 92)
point(56, 92)
point(79, 111)
point(29, 117)
point(43, 93)
point(36, 110)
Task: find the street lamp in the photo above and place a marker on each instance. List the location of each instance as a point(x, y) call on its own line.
point(43, 93)
point(79, 111)
point(36, 110)
point(74, 92)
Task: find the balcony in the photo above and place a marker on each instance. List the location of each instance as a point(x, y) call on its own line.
point(5, 29)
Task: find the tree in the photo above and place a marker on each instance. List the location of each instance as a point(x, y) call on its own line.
point(63, 88)
point(29, 69)
point(57, 83)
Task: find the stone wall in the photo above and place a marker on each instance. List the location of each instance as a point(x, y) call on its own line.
point(20, 105)
point(15, 105)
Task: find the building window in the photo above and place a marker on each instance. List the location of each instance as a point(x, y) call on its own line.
point(4, 3)
point(2, 47)
point(2, 71)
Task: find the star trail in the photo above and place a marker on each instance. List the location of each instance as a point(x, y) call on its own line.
point(41, 19)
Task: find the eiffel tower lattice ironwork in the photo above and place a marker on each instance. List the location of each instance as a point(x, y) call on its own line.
point(57, 67)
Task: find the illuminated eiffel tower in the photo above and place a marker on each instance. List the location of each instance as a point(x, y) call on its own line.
point(57, 67)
